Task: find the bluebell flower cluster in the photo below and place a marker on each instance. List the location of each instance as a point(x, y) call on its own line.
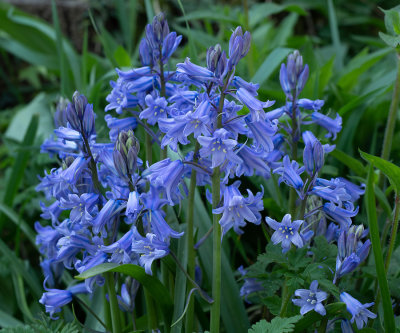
point(106, 204)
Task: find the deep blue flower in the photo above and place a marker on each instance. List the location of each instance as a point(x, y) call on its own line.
point(294, 76)
point(219, 147)
point(166, 174)
point(359, 311)
point(121, 249)
point(351, 251)
point(117, 125)
point(173, 129)
point(236, 209)
point(157, 108)
point(239, 45)
point(353, 190)
point(309, 104)
point(341, 215)
point(159, 227)
point(74, 170)
point(106, 216)
point(129, 290)
point(58, 146)
point(310, 299)
point(47, 238)
point(150, 248)
point(250, 87)
point(217, 61)
point(313, 157)
point(68, 134)
point(51, 212)
point(255, 106)
point(194, 72)
point(286, 232)
point(120, 98)
point(333, 190)
point(333, 126)
point(254, 161)
point(170, 44)
point(55, 299)
point(262, 131)
point(198, 121)
point(89, 262)
point(133, 207)
point(80, 206)
point(290, 174)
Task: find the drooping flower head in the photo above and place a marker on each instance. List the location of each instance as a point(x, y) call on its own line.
point(359, 311)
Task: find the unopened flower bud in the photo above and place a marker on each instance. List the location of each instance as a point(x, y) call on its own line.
point(126, 153)
point(213, 55)
point(80, 115)
point(60, 116)
point(318, 156)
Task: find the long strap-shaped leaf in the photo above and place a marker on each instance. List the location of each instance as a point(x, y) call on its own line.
point(376, 247)
point(156, 289)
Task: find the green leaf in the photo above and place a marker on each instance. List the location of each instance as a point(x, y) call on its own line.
point(332, 310)
point(392, 41)
point(19, 268)
point(122, 57)
point(270, 64)
point(7, 321)
point(213, 14)
point(359, 65)
point(391, 171)
point(377, 250)
point(349, 161)
point(277, 325)
point(259, 12)
point(19, 166)
point(157, 290)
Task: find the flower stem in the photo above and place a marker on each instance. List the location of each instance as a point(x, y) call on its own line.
point(295, 130)
point(285, 299)
point(190, 240)
point(216, 196)
point(391, 120)
point(149, 155)
point(116, 328)
point(216, 281)
point(393, 234)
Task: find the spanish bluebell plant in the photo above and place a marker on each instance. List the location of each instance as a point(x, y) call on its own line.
point(110, 204)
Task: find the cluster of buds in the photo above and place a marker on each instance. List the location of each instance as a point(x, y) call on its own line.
point(80, 115)
point(125, 154)
point(239, 45)
point(294, 76)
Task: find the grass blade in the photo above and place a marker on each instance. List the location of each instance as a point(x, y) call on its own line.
point(377, 250)
point(19, 166)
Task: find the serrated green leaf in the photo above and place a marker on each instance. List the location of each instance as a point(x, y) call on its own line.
point(391, 171)
point(277, 325)
point(392, 41)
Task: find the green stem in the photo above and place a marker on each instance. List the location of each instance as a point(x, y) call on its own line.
point(393, 234)
point(391, 120)
point(149, 155)
point(87, 307)
point(295, 130)
point(216, 281)
point(216, 186)
point(190, 239)
point(116, 328)
point(151, 311)
point(285, 300)
point(163, 152)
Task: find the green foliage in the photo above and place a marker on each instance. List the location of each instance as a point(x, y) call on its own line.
point(277, 325)
point(44, 325)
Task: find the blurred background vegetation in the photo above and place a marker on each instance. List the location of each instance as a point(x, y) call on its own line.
point(50, 49)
